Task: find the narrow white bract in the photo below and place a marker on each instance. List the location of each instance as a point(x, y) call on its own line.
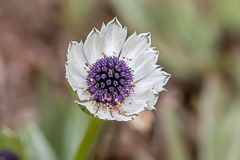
point(115, 78)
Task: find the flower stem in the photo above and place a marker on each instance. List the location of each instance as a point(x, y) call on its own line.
point(90, 137)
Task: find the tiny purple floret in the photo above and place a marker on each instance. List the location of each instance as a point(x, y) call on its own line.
point(109, 81)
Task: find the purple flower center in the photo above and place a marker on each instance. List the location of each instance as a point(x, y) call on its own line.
point(109, 81)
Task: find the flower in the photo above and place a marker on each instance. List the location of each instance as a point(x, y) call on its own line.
point(115, 78)
point(8, 155)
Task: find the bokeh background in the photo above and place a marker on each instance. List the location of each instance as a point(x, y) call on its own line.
point(197, 119)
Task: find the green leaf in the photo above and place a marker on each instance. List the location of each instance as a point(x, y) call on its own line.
point(73, 92)
point(9, 140)
point(85, 110)
point(73, 132)
point(171, 127)
point(36, 143)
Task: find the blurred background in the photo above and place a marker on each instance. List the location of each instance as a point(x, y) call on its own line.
point(197, 119)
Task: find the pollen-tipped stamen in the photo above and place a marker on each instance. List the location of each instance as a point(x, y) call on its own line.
point(110, 81)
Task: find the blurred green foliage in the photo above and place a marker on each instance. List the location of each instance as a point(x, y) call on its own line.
point(57, 133)
point(200, 45)
point(75, 13)
point(199, 41)
point(187, 32)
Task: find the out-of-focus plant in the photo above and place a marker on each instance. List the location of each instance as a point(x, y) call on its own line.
point(216, 132)
point(10, 141)
point(188, 31)
point(56, 133)
point(200, 45)
point(75, 13)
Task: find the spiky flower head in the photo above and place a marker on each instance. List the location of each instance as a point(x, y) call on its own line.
point(115, 78)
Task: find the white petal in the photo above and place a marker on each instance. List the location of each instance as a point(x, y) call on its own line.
point(151, 100)
point(115, 37)
point(109, 114)
point(83, 95)
point(155, 80)
point(143, 58)
point(147, 39)
point(93, 46)
point(122, 117)
point(103, 29)
point(76, 82)
point(144, 65)
point(98, 112)
point(146, 92)
point(135, 46)
point(140, 101)
point(105, 113)
point(135, 108)
point(89, 106)
point(149, 56)
point(76, 60)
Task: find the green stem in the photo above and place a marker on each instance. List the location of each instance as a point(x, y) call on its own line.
point(90, 136)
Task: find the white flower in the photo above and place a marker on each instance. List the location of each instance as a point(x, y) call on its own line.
point(115, 78)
